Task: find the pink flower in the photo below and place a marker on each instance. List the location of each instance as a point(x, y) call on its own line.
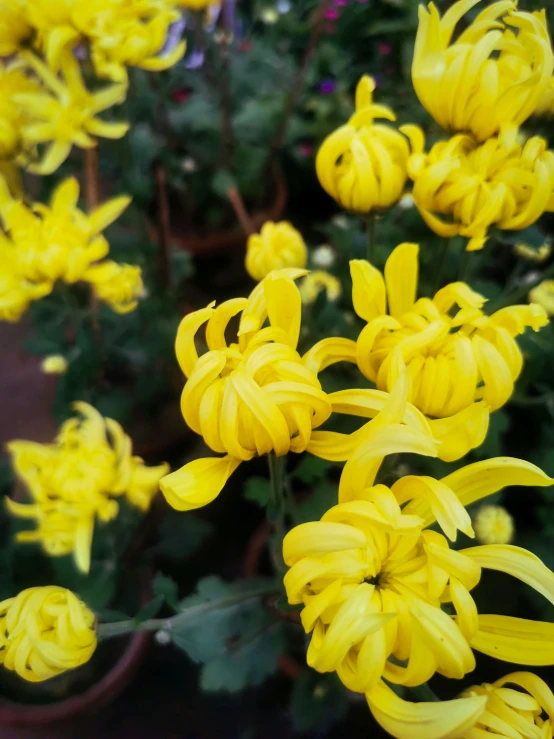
point(385, 49)
point(332, 14)
point(306, 149)
point(180, 96)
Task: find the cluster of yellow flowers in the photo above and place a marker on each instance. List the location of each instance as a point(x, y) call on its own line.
point(75, 479)
point(40, 245)
point(45, 100)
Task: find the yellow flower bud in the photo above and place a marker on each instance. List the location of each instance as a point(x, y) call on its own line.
point(531, 254)
point(493, 525)
point(496, 72)
point(119, 285)
point(317, 281)
point(463, 188)
point(543, 295)
point(278, 245)
point(55, 364)
point(45, 631)
point(362, 165)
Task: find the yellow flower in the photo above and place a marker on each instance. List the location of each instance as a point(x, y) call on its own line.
point(455, 353)
point(372, 576)
point(493, 525)
point(249, 398)
point(531, 254)
point(362, 165)
point(488, 710)
point(546, 103)
point(64, 113)
point(317, 281)
point(55, 364)
point(543, 295)
point(461, 187)
point(13, 118)
point(119, 285)
point(197, 4)
point(524, 710)
point(496, 71)
point(278, 245)
point(16, 292)
point(75, 480)
point(14, 29)
point(45, 631)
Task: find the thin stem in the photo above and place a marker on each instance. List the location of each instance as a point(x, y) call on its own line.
point(521, 292)
point(130, 626)
point(278, 504)
point(164, 227)
point(241, 213)
point(91, 172)
point(443, 258)
point(424, 693)
point(465, 271)
point(370, 234)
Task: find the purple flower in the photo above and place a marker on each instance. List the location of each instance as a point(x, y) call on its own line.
point(332, 14)
point(326, 87)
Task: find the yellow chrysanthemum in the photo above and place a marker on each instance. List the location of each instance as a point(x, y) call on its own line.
point(461, 187)
point(13, 118)
point(317, 281)
point(493, 525)
point(54, 364)
point(362, 165)
point(197, 4)
point(546, 103)
point(63, 114)
point(373, 576)
point(118, 285)
point(278, 245)
point(75, 479)
point(45, 631)
point(543, 295)
point(14, 29)
point(16, 292)
point(531, 254)
point(518, 706)
point(248, 398)
point(454, 352)
point(496, 71)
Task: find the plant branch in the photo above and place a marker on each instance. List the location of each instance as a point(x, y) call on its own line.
point(119, 628)
point(370, 234)
point(277, 510)
point(242, 214)
point(164, 227)
point(92, 196)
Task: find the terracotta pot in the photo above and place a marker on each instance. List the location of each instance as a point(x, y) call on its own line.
point(228, 240)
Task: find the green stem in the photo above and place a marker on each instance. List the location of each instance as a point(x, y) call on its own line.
point(465, 268)
point(443, 258)
point(370, 233)
point(521, 293)
point(277, 505)
point(119, 628)
point(423, 693)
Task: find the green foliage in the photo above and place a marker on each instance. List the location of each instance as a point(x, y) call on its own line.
point(180, 535)
point(257, 490)
point(317, 701)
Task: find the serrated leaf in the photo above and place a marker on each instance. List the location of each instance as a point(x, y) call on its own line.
point(166, 588)
point(181, 534)
point(311, 469)
point(317, 702)
point(257, 490)
point(150, 609)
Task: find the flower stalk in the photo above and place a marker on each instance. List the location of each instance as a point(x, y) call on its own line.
point(277, 506)
point(370, 235)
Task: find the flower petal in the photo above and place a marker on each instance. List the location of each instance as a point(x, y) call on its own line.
point(329, 351)
point(516, 640)
point(319, 537)
point(198, 482)
point(368, 290)
point(401, 272)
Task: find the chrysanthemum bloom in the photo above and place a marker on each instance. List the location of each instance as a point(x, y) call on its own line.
point(319, 280)
point(463, 188)
point(518, 706)
point(54, 364)
point(16, 292)
point(197, 4)
point(64, 113)
point(493, 525)
point(45, 631)
point(495, 72)
point(531, 254)
point(13, 81)
point(249, 398)
point(373, 576)
point(543, 295)
point(362, 165)
point(455, 353)
point(76, 479)
point(546, 103)
point(278, 245)
point(118, 285)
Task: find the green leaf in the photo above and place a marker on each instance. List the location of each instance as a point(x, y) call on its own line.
point(180, 535)
point(492, 446)
point(311, 469)
point(109, 615)
point(209, 637)
point(257, 490)
point(150, 609)
point(324, 496)
point(317, 702)
point(222, 182)
point(166, 588)
point(248, 661)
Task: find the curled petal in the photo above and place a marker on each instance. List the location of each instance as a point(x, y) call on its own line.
point(198, 482)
